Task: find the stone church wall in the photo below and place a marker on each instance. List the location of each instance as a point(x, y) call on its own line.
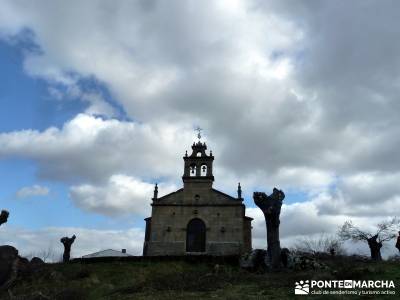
point(224, 229)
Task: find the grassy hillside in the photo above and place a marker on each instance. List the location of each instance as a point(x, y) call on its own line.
point(183, 280)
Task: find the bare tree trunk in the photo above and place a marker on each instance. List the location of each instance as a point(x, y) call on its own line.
point(274, 246)
point(271, 207)
point(375, 248)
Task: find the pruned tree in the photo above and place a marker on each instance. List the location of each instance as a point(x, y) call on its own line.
point(4, 216)
point(271, 208)
point(385, 231)
point(67, 242)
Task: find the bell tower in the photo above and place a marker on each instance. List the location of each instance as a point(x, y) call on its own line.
point(198, 166)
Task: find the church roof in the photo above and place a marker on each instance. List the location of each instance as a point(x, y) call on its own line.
point(215, 198)
point(226, 195)
point(168, 195)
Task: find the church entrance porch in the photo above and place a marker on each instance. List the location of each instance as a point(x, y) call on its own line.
point(196, 236)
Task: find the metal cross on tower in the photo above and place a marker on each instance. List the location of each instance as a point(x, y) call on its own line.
point(198, 129)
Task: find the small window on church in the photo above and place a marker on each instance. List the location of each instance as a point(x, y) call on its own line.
point(198, 154)
point(203, 170)
point(197, 197)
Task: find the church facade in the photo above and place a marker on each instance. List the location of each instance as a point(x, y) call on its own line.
point(197, 219)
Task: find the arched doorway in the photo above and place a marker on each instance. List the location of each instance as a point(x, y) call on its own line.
point(196, 236)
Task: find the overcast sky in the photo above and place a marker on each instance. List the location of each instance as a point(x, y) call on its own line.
point(99, 100)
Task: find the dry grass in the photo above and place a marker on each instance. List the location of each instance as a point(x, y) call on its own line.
point(183, 280)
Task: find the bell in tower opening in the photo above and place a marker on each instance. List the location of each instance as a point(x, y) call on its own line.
point(197, 219)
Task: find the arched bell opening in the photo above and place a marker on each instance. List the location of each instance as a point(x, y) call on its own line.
point(203, 170)
point(192, 170)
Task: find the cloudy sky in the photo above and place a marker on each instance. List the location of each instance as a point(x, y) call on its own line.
point(99, 100)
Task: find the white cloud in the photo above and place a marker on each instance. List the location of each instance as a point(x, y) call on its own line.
point(31, 191)
point(121, 195)
point(29, 241)
point(297, 219)
point(93, 149)
point(362, 194)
